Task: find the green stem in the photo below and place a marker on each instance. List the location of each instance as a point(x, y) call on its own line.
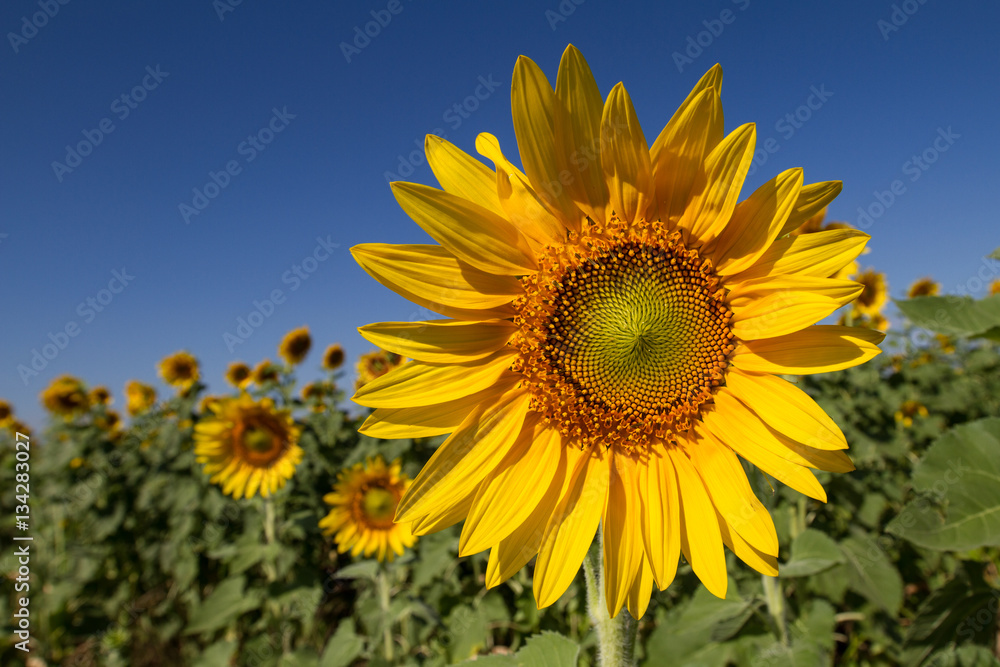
point(269, 537)
point(775, 605)
point(383, 599)
point(616, 637)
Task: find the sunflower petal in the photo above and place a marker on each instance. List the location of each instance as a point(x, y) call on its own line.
point(701, 539)
point(452, 514)
point(819, 254)
point(816, 349)
point(461, 174)
point(624, 156)
point(472, 233)
point(430, 276)
point(661, 521)
point(812, 199)
point(578, 134)
point(423, 421)
point(440, 341)
point(763, 562)
point(641, 590)
point(622, 542)
point(785, 311)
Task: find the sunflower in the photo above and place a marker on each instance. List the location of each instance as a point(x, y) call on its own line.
point(364, 502)
point(875, 293)
point(616, 328)
point(946, 343)
point(139, 397)
point(333, 358)
point(248, 446)
point(238, 374)
point(816, 224)
point(316, 393)
point(6, 413)
point(265, 372)
point(65, 397)
point(180, 370)
point(100, 396)
point(995, 286)
point(295, 346)
point(375, 365)
point(923, 287)
point(908, 410)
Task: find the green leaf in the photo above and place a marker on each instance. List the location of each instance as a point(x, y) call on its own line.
point(995, 254)
point(686, 631)
point(872, 574)
point(812, 552)
point(226, 603)
point(365, 569)
point(966, 656)
point(217, 654)
point(549, 649)
point(960, 479)
point(953, 315)
point(344, 646)
point(466, 633)
point(303, 657)
point(964, 609)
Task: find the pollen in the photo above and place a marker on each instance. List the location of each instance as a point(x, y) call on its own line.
point(624, 335)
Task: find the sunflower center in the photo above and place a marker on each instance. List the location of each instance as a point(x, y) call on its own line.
point(379, 504)
point(624, 335)
point(257, 440)
point(261, 439)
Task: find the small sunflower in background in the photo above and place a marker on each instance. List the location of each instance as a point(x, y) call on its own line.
point(908, 411)
point(239, 375)
point(65, 397)
point(376, 364)
point(180, 370)
point(995, 286)
point(139, 397)
point(100, 396)
point(6, 413)
point(875, 293)
point(315, 394)
point(333, 358)
point(248, 446)
point(364, 501)
point(295, 346)
point(946, 343)
point(265, 372)
point(923, 287)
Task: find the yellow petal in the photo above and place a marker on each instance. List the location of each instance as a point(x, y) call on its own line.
point(816, 349)
point(701, 539)
point(756, 222)
point(509, 494)
point(717, 189)
point(461, 462)
point(533, 106)
point(642, 589)
point(747, 292)
point(423, 421)
point(819, 254)
point(452, 514)
point(472, 233)
point(430, 276)
point(679, 153)
point(786, 409)
point(571, 528)
point(622, 536)
point(415, 383)
point(661, 521)
point(521, 204)
point(440, 341)
point(812, 199)
point(461, 174)
point(762, 562)
point(785, 311)
point(625, 156)
point(578, 135)
point(734, 500)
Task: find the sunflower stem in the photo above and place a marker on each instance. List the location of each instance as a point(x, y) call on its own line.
point(616, 637)
point(775, 605)
point(383, 600)
point(269, 536)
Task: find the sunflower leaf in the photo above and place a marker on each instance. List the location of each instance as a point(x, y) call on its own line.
point(223, 605)
point(995, 254)
point(872, 574)
point(548, 649)
point(953, 315)
point(218, 653)
point(812, 552)
point(365, 569)
point(959, 479)
point(965, 656)
point(344, 646)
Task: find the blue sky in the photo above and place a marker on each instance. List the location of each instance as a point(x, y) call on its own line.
point(289, 123)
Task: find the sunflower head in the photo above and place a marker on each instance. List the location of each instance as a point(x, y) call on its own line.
point(238, 374)
point(180, 370)
point(908, 410)
point(333, 358)
point(265, 372)
point(923, 287)
point(6, 412)
point(617, 323)
point(364, 502)
point(295, 346)
point(248, 446)
point(995, 286)
point(100, 396)
point(875, 293)
point(315, 394)
point(139, 397)
point(376, 364)
point(65, 397)
point(946, 343)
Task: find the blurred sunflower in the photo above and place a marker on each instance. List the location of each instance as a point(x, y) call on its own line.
point(618, 323)
point(6, 413)
point(908, 411)
point(180, 370)
point(248, 446)
point(139, 397)
point(364, 502)
point(923, 287)
point(875, 293)
point(946, 343)
point(17, 426)
point(265, 372)
point(333, 358)
point(995, 286)
point(316, 393)
point(376, 364)
point(295, 346)
point(65, 397)
point(238, 374)
point(100, 396)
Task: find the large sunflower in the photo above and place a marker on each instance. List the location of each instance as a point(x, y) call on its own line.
point(364, 501)
point(617, 325)
point(248, 446)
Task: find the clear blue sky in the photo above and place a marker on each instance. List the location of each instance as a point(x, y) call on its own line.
point(210, 75)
